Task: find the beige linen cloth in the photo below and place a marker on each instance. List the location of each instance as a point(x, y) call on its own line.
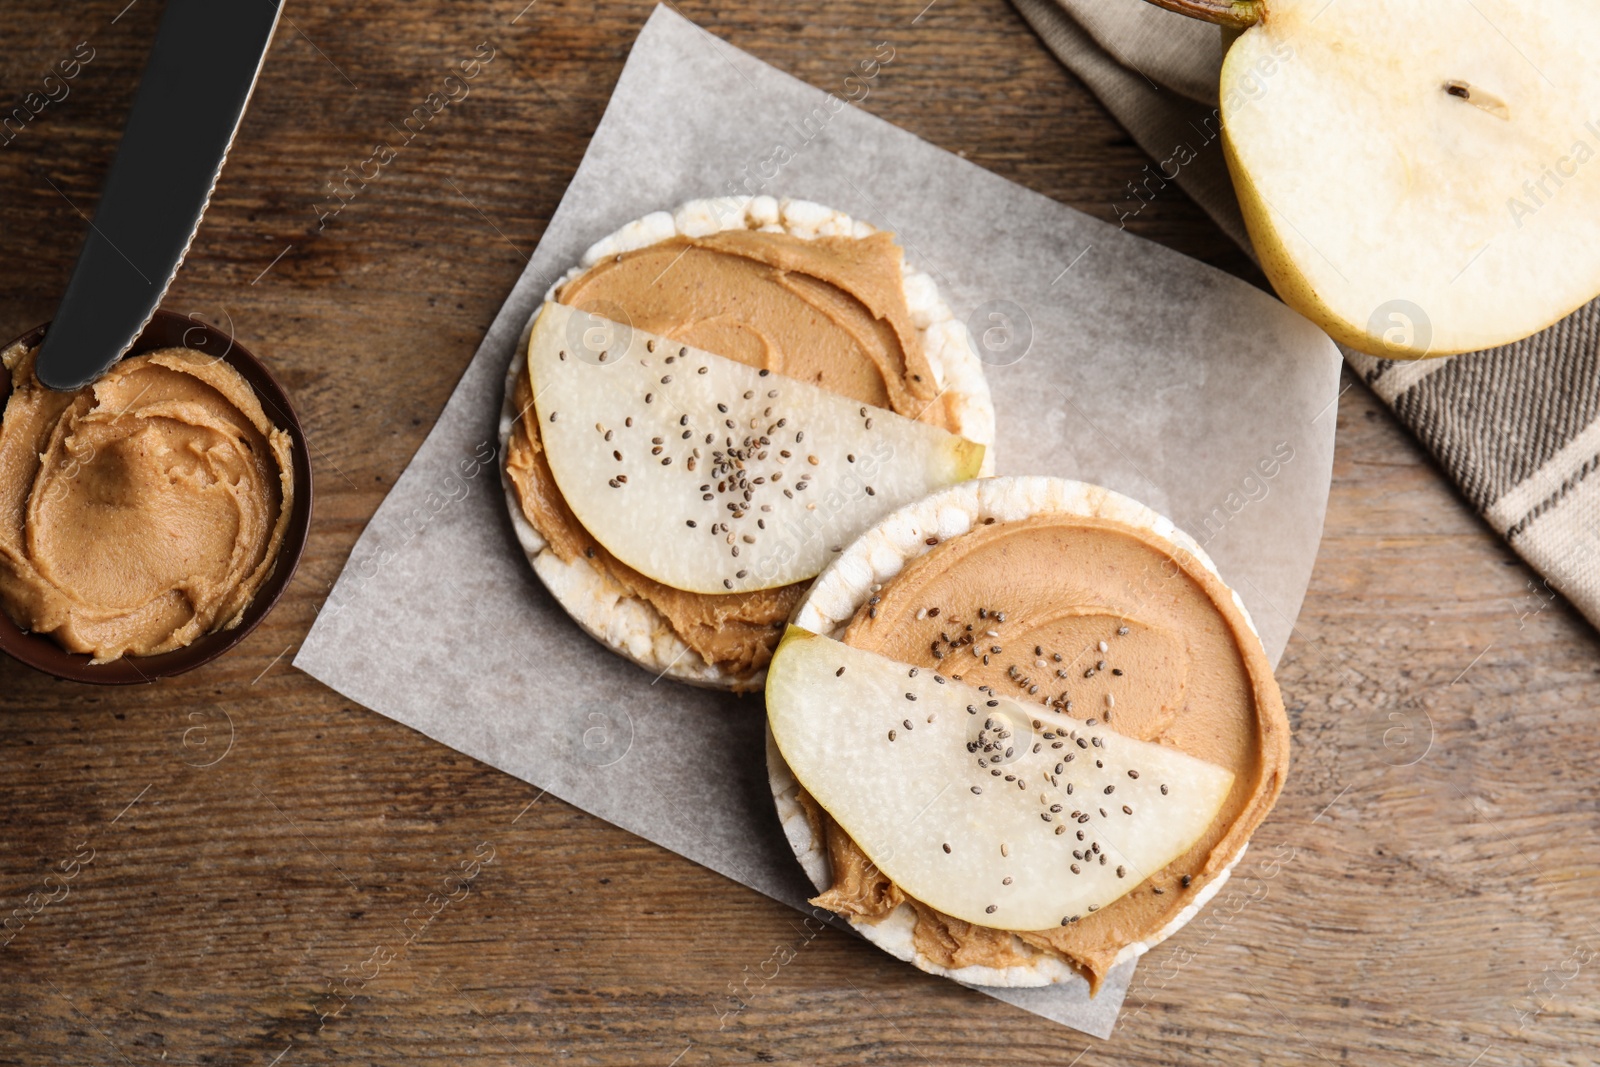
point(1517, 428)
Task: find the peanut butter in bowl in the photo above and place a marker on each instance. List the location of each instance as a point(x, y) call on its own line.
point(142, 512)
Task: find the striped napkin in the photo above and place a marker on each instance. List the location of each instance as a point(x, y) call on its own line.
point(1517, 428)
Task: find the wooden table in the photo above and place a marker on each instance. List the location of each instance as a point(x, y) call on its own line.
point(1425, 891)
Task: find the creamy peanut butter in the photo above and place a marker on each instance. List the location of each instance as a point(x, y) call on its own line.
point(1089, 619)
point(140, 512)
point(831, 311)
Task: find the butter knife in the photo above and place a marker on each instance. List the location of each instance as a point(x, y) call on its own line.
point(199, 77)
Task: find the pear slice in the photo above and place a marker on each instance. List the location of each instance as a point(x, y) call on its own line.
point(892, 753)
point(1418, 178)
point(709, 475)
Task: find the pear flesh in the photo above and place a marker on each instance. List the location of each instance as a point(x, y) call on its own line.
point(1420, 177)
point(711, 476)
point(893, 754)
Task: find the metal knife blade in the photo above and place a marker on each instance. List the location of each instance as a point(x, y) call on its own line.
point(201, 71)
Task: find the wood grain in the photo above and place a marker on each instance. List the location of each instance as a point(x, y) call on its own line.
point(1424, 893)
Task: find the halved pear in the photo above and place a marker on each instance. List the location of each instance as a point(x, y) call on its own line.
point(1418, 178)
point(709, 475)
point(1000, 814)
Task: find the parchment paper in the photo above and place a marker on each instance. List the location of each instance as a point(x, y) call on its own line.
point(1144, 371)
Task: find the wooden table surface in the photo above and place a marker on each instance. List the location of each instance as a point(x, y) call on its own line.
point(246, 845)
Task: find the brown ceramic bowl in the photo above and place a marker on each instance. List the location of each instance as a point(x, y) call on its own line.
point(169, 330)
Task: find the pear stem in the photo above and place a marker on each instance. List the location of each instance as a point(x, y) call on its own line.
point(1236, 13)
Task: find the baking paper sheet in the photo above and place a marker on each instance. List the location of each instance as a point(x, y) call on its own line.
point(1139, 369)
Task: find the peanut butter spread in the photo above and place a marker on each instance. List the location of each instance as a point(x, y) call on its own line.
point(143, 511)
point(831, 311)
point(1091, 619)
